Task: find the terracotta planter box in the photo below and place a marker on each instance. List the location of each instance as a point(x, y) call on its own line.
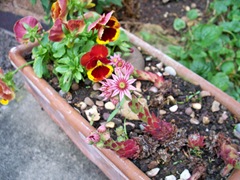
point(77, 128)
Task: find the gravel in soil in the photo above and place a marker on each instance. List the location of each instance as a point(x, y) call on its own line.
point(196, 112)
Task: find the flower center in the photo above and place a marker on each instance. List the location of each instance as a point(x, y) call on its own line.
point(122, 85)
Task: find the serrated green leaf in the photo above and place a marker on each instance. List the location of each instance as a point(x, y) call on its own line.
point(192, 14)
point(220, 7)
point(228, 67)
point(38, 66)
point(232, 26)
point(221, 80)
point(205, 34)
point(200, 67)
point(179, 24)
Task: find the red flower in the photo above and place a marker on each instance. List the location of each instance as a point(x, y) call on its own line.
point(75, 25)
point(6, 93)
point(96, 63)
point(59, 10)
point(56, 32)
point(20, 30)
point(108, 28)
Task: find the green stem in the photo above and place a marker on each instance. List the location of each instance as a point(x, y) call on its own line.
point(20, 67)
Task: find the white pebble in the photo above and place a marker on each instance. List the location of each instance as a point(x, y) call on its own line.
point(99, 103)
point(215, 106)
point(153, 172)
point(185, 175)
point(170, 70)
point(153, 89)
point(159, 65)
point(149, 58)
point(92, 114)
point(109, 105)
point(110, 124)
point(196, 106)
point(173, 108)
point(170, 177)
point(194, 121)
point(96, 86)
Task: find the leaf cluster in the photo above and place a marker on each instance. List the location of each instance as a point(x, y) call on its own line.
point(211, 49)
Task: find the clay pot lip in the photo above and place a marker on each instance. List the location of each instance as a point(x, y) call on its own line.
point(16, 55)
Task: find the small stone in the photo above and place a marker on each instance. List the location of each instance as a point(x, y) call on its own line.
point(153, 172)
point(136, 59)
point(193, 5)
point(206, 120)
point(153, 164)
point(173, 108)
point(153, 89)
point(188, 111)
point(162, 112)
point(95, 95)
point(220, 121)
point(148, 58)
point(126, 111)
point(89, 101)
point(147, 68)
point(92, 114)
point(185, 175)
point(99, 103)
point(62, 93)
point(187, 8)
point(224, 115)
point(82, 105)
point(75, 86)
point(68, 96)
point(109, 106)
point(170, 177)
point(165, 15)
point(130, 124)
point(165, 1)
point(194, 121)
point(159, 65)
point(138, 86)
point(215, 106)
point(110, 124)
point(106, 116)
point(170, 70)
point(96, 86)
point(171, 99)
point(196, 106)
point(204, 93)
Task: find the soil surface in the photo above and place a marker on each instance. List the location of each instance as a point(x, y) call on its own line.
point(197, 113)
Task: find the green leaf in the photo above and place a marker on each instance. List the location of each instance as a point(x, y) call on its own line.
point(220, 7)
point(221, 80)
point(179, 24)
point(117, 2)
point(206, 34)
point(192, 14)
point(200, 67)
point(228, 67)
point(33, 2)
point(38, 66)
point(62, 69)
point(232, 26)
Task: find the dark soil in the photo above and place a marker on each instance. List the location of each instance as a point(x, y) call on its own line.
point(134, 13)
point(173, 155)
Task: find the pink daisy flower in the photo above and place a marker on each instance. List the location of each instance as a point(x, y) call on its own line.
point(122, 85)
point(106, 89)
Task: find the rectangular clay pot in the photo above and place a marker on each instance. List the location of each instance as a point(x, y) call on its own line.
point(77, 128)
